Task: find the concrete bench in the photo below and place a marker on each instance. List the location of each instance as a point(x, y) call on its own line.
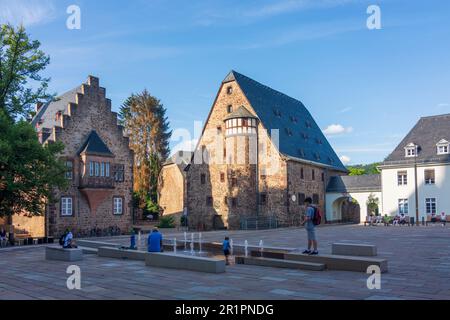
point(109, 252)
point(353, 249)
point(88, 250)
point(277, 263)
point(60, 254)
point(186, 262)
point(338, 262)
point(240, 248)
point(96, 244)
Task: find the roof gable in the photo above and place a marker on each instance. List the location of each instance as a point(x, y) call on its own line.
point(426, 134)
point(94, 145)
point(299, 135)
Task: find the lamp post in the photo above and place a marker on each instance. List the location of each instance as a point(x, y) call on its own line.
point(416, 192)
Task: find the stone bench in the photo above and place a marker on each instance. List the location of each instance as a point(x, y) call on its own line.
point(186, 262)
point(60, 254)
point(352, 249)
point(339, 262)
point(278, 263)
point(240, 248)
point(96, 244)
point(109, 252)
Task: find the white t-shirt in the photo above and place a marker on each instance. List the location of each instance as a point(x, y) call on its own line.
point(443, 216)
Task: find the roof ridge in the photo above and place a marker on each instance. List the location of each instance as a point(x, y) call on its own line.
point(436, 116)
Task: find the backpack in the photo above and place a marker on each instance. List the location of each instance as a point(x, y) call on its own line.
point(317, 219)
point(61, 240)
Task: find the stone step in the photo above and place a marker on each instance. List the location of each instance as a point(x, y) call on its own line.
point(332, 262)
point(96, 244)
point(186, 262)
point(278, 263)
point(109, 252)
point(60, 254)
point(339, 262)
point(353, 249)
point(87, 250)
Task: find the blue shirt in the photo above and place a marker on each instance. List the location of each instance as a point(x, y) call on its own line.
point(133, 241)
point(154, 242)
point(310, 214)
point(226, 245)
point(68, 239)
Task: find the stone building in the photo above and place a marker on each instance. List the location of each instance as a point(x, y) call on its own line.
point(99, 164)
point(260, 155)
point(172, 185)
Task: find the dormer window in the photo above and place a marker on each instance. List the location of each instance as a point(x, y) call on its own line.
point(443, 147)
point(411, 150)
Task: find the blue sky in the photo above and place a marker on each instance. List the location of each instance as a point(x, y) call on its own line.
point(367, 87)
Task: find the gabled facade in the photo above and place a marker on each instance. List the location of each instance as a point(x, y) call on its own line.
point(422, 156)
point(98, 159)
point(260, 154)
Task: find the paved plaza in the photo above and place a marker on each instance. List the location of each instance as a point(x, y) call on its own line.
point(419, 268)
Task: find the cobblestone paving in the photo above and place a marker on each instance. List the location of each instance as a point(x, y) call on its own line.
point(419, 268)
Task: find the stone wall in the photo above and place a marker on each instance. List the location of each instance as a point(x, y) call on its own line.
point(171, 191)
point(91, 110)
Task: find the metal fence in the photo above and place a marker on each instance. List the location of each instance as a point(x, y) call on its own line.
point(258, 223)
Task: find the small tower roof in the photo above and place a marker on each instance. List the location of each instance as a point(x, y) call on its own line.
point(94, 145)
point(241, 112)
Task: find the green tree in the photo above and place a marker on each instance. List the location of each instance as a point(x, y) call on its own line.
point(28, 170)
point(372, 203)
point(353, 171)
point(144, 119)
point(21, 63)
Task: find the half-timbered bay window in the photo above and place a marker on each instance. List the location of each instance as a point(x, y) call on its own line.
point(240, 122)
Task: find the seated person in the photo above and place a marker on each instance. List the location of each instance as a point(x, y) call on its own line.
point(396, 219)
point(3, 239)
point(155, 241)
point(386, 220)
point(68, 240)
point(402, 219)
point(443, 218)
point(433, 217)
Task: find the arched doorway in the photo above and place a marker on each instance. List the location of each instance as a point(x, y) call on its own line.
point(346, 209)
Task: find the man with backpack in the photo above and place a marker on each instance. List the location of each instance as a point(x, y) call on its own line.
point(311, 219)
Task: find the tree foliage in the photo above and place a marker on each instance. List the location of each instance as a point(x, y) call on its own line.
point(28, 170)
point(21, 63)
point(372, 203)
point(145, 121)
point(362, 169)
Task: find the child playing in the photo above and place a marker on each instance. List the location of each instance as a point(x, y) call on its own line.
point(226, 249)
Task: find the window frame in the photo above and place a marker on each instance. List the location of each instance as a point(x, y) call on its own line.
point(116, 213)
point(64, 207)
point(429, 181)
point(66, 175)
point(403, 206)
point(430, 204)
point(402, 178)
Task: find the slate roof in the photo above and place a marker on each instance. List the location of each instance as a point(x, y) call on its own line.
point(94, 145)
point(361, 183)
point(48, 111)
point(299, 135)
point(427, 132)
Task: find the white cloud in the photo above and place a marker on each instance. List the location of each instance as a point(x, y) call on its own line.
point(26, 12)
point(344, 110)
point(282, 7)
point(443, 105)
point(188, 145)
point(334, 129)
point(345, 159)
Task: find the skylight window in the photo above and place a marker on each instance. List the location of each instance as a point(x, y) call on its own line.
point(411, 150)
point(443, 147)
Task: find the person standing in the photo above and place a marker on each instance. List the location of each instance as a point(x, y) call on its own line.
point(3, 239)
point(310, 227)
point(155, 241)
point(226, 249)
